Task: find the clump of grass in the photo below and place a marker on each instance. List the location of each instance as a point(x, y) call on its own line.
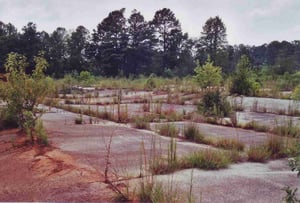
point(288, 129)
point(171, 115)
point(230, 144)
point(141, 123)
point(168, 130)
point(123, 116)
point(258, 153)
point(236, 156)
point(40, 132)
point(208, 160)
point(253, 125)
point(275, 146)
point(155, 192)
point(192, 132)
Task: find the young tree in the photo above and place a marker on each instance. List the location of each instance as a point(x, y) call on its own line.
point(23, 93)
point(243, 80)
point(208, 74)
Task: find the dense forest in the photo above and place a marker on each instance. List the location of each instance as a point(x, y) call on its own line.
point(134, 46)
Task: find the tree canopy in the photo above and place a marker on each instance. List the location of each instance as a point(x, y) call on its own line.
point(133, 46)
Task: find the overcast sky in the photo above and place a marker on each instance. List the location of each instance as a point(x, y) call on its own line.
point(251, 22)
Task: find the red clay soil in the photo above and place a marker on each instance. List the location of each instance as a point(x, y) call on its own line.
point(33, 174)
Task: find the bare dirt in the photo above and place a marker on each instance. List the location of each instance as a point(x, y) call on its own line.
point(35, 174)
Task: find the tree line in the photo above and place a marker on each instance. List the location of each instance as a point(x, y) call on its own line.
point(121, 46)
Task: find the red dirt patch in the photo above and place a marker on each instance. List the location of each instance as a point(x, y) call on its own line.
point(35, 174)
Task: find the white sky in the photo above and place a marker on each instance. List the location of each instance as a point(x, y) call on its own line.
point(251, 22)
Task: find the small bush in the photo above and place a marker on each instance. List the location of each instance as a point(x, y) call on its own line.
point(168, 130)
point(258, 153)
point(208, 160)
point(214, 104)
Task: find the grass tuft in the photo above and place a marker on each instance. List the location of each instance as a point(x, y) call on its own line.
point(208, 160)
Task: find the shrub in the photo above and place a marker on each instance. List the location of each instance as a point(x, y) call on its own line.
point(23, 93)
point(208, 74)
point(214, 104)
point(243, 80)
point(208, 160)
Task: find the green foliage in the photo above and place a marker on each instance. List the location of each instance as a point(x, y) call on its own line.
point(41, 135)
point(294, 164)
point(214, 103)
point(213, 36)
point(150, 191)
point(275, 147)
point(7, 120)
point(208, 74)
point(24, 92)
point(243, 80)
point(296, 93)
point(208, 160)
point(86, 78)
